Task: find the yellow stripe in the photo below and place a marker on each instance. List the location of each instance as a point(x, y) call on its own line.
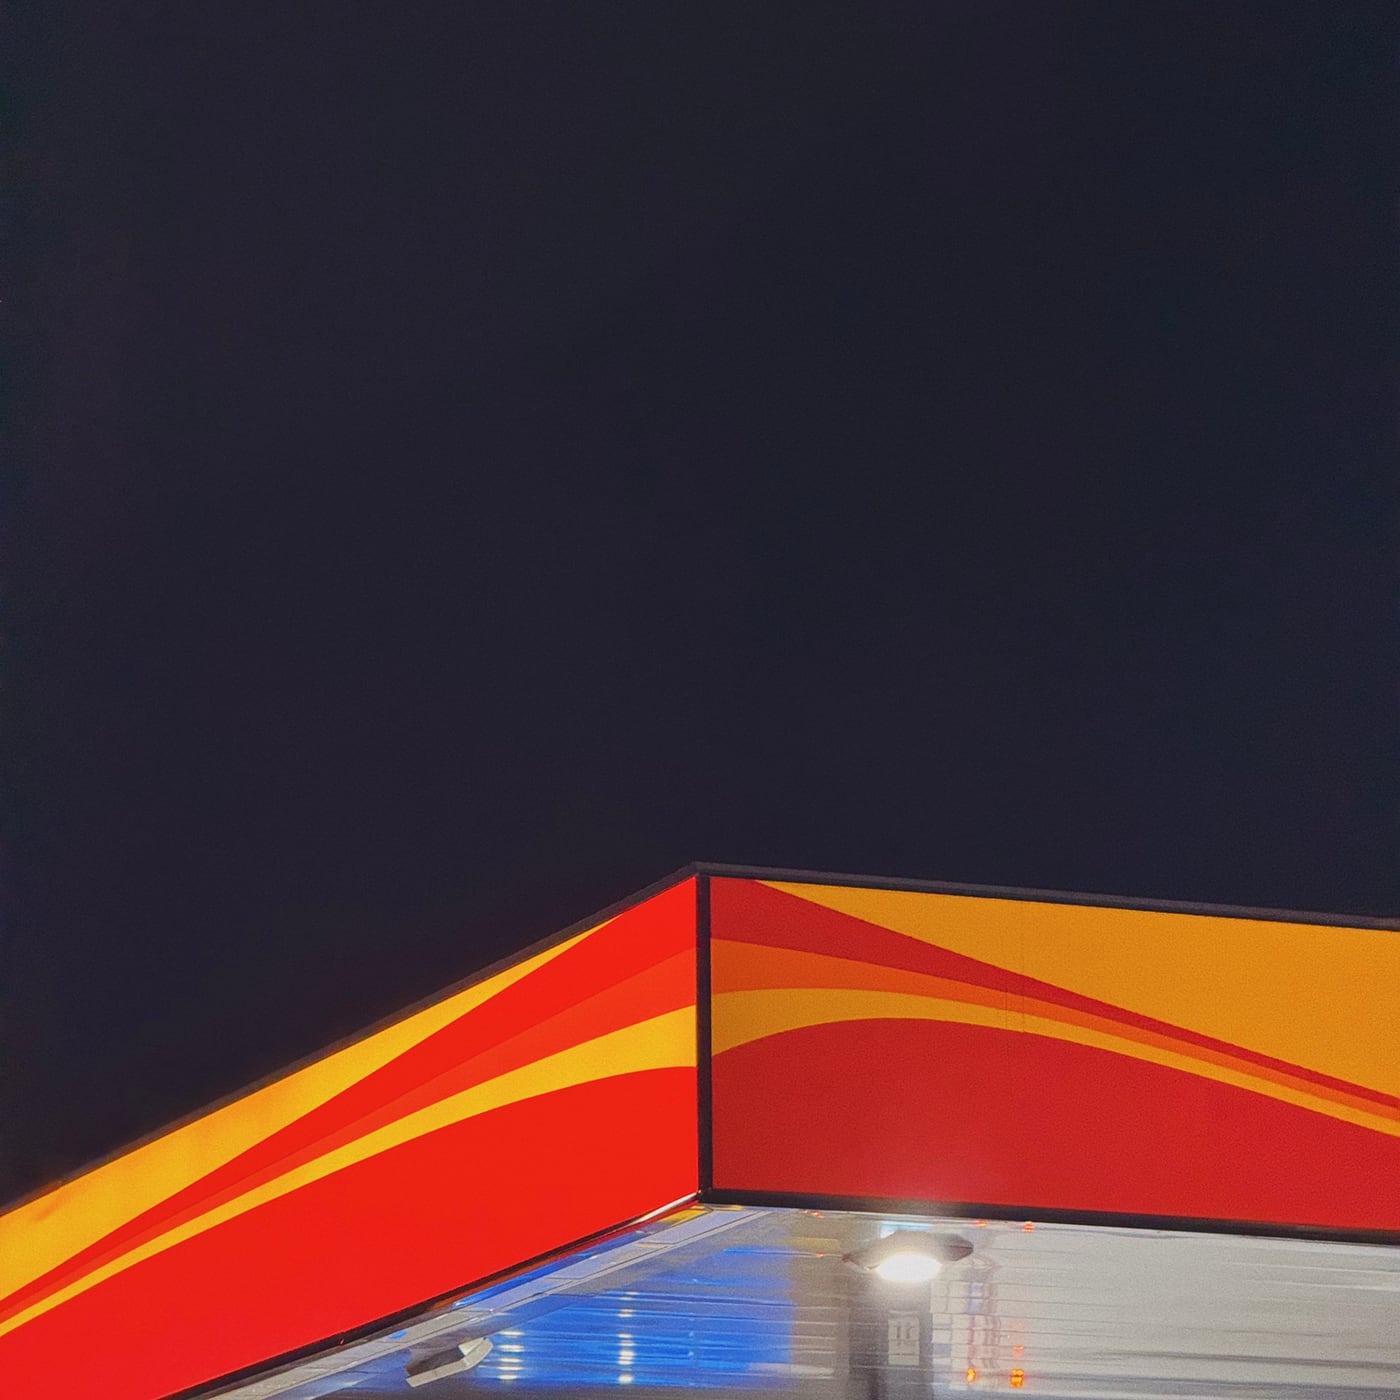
point(742, 1017)
point(40, 1235)
point(663, 1042)
point(1324, 998)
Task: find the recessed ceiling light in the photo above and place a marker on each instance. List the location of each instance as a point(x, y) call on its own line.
point(908, 1266)
point(909, 1256)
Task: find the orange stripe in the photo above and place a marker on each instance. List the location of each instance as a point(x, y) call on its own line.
point(751, 967)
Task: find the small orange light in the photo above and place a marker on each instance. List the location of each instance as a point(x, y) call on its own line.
point(1017, 1349)
point(1018, 1378)
point(1028, 1226)
point(971, 1374)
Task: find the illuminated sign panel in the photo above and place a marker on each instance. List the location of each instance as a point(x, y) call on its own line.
point(957, 1053)
point(409, 1164)
point(973, 1051)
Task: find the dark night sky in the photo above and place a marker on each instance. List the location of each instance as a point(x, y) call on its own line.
point(474, 459)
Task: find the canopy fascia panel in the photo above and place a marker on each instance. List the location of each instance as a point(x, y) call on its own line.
point(542, 1104)
point(1010, 1053)
point(744, 1036)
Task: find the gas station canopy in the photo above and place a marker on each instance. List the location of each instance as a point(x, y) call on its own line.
point(765, 1133)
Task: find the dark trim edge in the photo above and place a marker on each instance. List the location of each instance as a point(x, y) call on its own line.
point(704, 1061)
point(977, 1210)
point(1036, 896)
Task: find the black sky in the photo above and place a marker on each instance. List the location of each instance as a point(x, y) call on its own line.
point(473, 459)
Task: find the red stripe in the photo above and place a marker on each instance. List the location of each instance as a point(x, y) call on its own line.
point(921, 1110)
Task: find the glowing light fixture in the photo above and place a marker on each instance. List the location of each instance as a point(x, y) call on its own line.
point(909, 1256)
point(909, 1266)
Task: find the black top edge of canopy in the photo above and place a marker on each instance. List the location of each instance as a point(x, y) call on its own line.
point(1038, 896)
